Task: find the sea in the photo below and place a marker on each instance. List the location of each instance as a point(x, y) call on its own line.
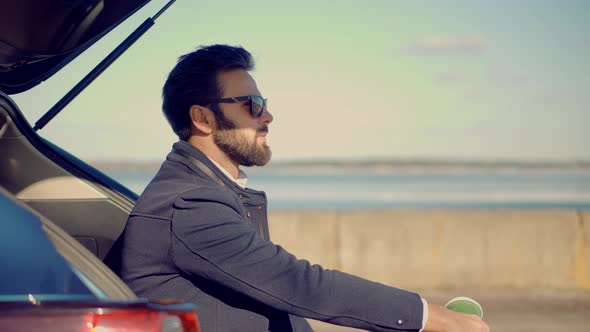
point(318, 188)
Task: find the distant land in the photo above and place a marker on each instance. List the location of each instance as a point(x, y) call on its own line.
point(375, 164)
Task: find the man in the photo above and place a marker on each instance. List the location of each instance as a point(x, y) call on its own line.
point(197, 234)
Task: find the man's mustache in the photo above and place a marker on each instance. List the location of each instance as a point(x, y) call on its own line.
point(262, 129)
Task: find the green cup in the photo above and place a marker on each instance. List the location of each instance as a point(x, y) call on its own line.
point(465, 305)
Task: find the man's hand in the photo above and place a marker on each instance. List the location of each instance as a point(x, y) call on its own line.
point(445, 320)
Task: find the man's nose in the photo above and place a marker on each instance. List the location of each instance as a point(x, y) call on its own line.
point(266, 117)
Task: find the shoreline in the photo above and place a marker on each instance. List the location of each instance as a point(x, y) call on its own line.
point(373, 165)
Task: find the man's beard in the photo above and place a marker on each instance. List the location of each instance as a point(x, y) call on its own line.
point(239, 148)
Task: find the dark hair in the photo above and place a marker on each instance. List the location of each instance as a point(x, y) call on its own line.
point(193, 81)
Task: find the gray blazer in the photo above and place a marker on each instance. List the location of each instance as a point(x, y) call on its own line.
point(196, 236)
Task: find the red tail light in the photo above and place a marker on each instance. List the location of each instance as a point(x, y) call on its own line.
point(102, 320)
point(140, 320)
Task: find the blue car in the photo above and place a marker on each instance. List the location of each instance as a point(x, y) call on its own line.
point(60, 217)
point(44, 287)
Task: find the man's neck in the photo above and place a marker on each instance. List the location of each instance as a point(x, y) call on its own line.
point(228, 165)
point(240, 180)
point(218, 156)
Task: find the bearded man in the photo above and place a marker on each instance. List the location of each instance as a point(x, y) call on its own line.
point(197, 234)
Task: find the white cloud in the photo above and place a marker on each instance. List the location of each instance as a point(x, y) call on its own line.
point(446, 45)
point(453, 76)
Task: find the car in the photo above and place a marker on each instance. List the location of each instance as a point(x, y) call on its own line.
point(50, 282)
point(61, 218)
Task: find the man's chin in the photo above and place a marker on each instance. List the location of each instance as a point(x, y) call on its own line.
point(267, 155)
point(268, 158)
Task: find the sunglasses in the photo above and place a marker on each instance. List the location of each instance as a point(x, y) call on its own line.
point(257, 103)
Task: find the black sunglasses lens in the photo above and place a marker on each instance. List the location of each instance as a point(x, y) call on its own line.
point(257, 106)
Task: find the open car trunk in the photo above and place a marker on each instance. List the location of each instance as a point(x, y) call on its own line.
point(84, 202)
point(38, 37)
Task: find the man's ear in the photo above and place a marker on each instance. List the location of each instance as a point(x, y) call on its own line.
point(202, 119)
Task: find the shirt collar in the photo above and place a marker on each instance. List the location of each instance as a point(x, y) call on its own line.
point(242, 177)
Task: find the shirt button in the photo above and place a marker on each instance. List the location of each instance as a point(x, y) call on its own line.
point(249, 214)
point(400, 322)
point(241, 196)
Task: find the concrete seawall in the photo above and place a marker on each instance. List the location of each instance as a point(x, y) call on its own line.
point(445, 248)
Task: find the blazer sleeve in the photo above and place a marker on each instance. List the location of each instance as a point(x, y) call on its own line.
point(210, 239)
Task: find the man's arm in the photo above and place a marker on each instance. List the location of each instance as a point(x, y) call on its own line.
point(211, 240)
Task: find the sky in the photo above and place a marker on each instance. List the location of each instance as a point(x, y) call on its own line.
point(352, 80)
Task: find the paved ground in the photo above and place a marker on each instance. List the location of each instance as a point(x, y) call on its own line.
point(516, 310)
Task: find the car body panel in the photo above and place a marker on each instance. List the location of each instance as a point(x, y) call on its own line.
point(23, 242)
